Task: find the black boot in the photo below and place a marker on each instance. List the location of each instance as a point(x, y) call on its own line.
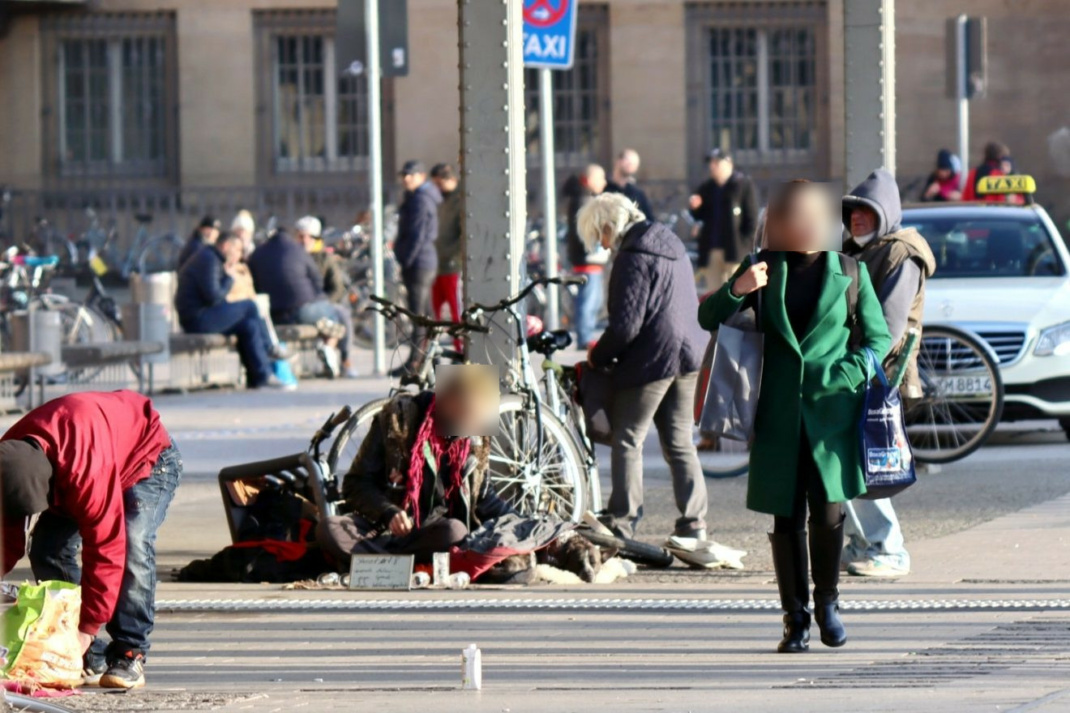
point(826, 548)
point(789, 561)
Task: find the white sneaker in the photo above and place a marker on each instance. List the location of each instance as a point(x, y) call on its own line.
point(877, 568)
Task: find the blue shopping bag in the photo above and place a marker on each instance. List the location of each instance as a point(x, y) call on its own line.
point(887, 461)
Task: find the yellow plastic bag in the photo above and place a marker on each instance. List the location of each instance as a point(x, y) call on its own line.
point(40, 632)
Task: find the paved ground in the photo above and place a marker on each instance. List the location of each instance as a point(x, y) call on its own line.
point(983, 623)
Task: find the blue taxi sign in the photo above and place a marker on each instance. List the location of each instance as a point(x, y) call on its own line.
point(549, 33)
point(1003, 185)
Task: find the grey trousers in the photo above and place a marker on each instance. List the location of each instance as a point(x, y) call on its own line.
point(667, 404)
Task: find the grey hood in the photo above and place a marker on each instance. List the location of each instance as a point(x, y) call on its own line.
point(880, 193)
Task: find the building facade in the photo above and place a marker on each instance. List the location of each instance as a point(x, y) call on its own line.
point(189, 106)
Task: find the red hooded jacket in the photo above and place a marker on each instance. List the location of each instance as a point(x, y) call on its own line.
point(99, 444)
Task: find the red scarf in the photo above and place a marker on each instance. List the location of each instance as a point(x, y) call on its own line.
point(456, 450)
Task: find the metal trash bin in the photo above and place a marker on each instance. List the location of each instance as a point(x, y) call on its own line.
point(44, 335)
point(156, 288)
point(149, 322)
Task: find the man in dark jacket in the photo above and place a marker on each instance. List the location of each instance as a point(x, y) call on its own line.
point(727, 206)
point(410, 489)
point(899, 262)
point(446, 292)
point(283, 270)
point(207, 233)
point(322, 311)
point(201, 303)
point(654, 347)
point(624, 172)
point(100, 471)
point(414, 246)
point(591, 264)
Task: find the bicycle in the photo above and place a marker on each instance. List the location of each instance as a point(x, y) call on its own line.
point(537, 465)
point(960, 406)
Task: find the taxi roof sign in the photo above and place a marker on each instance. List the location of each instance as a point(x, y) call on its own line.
point(1001, 185)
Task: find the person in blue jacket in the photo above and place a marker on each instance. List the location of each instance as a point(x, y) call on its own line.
point(201, 302)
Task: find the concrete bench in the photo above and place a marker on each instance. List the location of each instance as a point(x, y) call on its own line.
point(14, 375)
point(200, 361)
point(302, 340)
point(86, 363)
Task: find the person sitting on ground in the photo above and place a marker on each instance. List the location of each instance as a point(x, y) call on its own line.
point(98, 471)
point(283, 269)
point(415, 486)
point(207, 233)
point(201, 301)
point(943, 183)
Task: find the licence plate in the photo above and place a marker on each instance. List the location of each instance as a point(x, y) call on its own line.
point(963, 386)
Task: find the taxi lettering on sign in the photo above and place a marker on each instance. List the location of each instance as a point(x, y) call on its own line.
point(549, 33)
point(1002, 185)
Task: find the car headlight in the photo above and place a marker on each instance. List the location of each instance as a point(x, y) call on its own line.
point(1054, 341)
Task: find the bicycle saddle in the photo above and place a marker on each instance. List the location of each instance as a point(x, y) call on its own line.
point(546, 343)
point(36, 261)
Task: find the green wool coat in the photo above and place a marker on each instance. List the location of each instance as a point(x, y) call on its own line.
point(817, 381)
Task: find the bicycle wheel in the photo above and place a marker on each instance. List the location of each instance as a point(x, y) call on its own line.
point(962, 397)
point(533, 477)
point(728, 459)
point(364, 318)
point(571, 415)
point(160, 254)
point(23, 704)
point(347, 442)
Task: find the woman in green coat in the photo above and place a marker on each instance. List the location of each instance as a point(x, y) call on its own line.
point(806, 448)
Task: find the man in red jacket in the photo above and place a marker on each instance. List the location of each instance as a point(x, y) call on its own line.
point(100, 470)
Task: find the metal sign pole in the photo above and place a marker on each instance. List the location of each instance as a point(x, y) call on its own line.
point(962, 101)
point(375, 174)
point(549, 193)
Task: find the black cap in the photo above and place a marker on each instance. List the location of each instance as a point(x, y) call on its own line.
point(26, 476)
point(210, 221)
point(410, 167)
point(442, 171)
point(717, 155)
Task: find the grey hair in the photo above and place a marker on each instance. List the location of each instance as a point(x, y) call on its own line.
point(309, 224)
point(608, 210)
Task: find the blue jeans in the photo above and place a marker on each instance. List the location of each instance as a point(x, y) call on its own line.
point(55, 543)
point(242, 320)
point(325, 309)
point(588, 306)
point(873, 533)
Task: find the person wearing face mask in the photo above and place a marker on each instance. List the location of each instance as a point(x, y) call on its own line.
point(899, 262)
point(805, 452)
point(654, 349)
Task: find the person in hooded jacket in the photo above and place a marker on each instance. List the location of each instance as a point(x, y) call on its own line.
point(943, 183)
point(654, 349)
point(899, 261)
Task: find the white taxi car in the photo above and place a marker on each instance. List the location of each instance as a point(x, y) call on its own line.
point(1003, 274)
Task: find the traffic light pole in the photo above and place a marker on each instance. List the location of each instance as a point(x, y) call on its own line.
point(549, 193)
point(375, 175)
point(962, 101)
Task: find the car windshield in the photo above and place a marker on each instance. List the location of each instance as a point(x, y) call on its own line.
point(988, 246)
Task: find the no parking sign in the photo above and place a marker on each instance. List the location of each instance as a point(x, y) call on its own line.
point(549, 33)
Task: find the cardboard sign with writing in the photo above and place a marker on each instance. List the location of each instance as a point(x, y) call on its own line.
point(380, 572)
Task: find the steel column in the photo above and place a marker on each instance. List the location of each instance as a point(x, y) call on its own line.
point(549, 193)
point(492, 163)
point(869, 91)
point(375, 174)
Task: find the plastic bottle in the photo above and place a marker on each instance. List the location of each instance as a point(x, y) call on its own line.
point(471, 669)
point(458, 580)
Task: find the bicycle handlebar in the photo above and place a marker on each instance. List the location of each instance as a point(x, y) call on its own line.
point(391, 310)
point(522, 295)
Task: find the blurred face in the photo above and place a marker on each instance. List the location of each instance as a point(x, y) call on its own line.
point(210, 235)
point(242, 234)
point(628, 164)
point(306, 239)
point(863, 221)
point(412, 181)
point(806, 224)
point(446, 185)
point(232, 250)
point(596, 179)
point(943, 173)
point(721, 170)
point(466, 400)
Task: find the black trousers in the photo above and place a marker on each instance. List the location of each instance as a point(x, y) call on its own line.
point(809, 491)
point(418, 296)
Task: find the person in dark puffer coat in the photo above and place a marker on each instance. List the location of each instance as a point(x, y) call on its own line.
point(654, 348)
